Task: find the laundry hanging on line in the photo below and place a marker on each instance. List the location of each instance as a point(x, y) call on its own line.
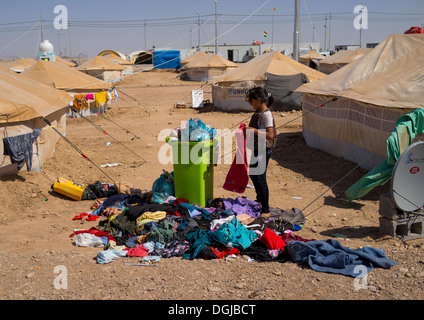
point(20, 149)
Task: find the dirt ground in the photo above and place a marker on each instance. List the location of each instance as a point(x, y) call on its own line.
point(35, 222)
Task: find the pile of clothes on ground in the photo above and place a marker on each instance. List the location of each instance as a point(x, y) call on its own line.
point(132, 225)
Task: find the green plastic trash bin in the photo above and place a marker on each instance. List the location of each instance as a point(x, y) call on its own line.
point(193, 170)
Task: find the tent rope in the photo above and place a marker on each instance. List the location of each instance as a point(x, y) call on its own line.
point(77, 149)
point(104, 132)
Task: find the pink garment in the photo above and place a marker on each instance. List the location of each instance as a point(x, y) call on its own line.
point(89, 96)
point(238, 176)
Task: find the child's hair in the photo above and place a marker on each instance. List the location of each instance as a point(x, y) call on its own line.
point(260, 93)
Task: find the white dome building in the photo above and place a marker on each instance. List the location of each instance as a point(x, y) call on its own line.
point(46, 51)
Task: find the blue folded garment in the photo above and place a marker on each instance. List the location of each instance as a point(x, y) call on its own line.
point(330, 256)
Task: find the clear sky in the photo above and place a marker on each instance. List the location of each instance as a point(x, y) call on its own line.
point(133, 25)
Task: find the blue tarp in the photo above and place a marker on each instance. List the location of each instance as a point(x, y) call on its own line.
point(167, 59)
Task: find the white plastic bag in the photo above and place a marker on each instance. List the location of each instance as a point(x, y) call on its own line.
point(88, 240)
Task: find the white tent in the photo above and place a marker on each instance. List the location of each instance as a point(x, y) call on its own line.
point(373, 92)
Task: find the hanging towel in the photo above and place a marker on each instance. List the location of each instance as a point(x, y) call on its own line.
point(80, 101)
point(238, 176)
point(89, 96)
point(101, 97)
point(19, 148)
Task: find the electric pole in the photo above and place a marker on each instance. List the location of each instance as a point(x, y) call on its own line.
point(198, 31)
point(296, 31)
point(216, 26)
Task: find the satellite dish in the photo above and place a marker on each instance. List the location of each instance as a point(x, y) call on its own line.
point(408, 178)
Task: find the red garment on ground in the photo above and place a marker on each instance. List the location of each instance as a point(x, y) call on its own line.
point(287, 237)
point(90, 217)
point(223, 252)
point(92, 230)
point(139, 251)
point(272, 241)
point(238, 175)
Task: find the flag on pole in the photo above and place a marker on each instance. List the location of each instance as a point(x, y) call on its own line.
point(265, 34)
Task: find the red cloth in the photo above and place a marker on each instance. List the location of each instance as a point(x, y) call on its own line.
point(90, 217)
point(238, 176)
point(139, 251)
point(223, 252)
point(287, 237)
point(92, 230)
point(180, 200)
point(271, 240)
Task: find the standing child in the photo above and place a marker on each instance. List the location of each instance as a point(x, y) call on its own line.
point(262, 125)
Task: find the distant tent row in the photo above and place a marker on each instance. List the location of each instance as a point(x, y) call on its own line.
point(373, 93)
point(21, 65)
point(278, 73)
point(24, 103)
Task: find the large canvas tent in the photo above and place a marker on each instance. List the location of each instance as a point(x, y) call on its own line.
point(373, 92)
point(59, 76)
point(208, 66)
point(276, 72)
point(102, 68)
point(24, 103)
point(21, 65)
point(340, 59)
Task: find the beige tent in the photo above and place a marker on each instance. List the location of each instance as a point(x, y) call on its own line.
point(66, 62)
point(373, 92)
point(208, 66)
point(21, 65)
point(229, 89)
point(23, 105)
point(59, 76)
point(128, 69)
point(341, 59)
point(102, 68)
point(192, 58)
point(311, 58)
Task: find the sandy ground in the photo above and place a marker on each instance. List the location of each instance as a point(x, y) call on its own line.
point(35, 223)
